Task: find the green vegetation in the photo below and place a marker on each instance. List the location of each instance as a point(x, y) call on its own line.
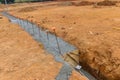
point(0, 1)
point(26, 1)
point(21, 1)
point(8, 1)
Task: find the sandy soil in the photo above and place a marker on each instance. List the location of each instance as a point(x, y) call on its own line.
point(22, 58)
point(95, 31)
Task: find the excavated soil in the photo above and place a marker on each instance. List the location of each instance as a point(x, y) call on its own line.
point(95, 31)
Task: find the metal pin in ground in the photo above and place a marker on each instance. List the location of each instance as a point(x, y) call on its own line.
point(24, 24)
point(57, 42)
point(39, 30)
point(32, 26)
point(47, 32)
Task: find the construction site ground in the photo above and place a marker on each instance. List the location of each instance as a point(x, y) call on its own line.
point(22, 58)
point(94, 30)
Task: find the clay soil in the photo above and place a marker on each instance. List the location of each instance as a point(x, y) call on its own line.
point(95, 31)
point(22, 58)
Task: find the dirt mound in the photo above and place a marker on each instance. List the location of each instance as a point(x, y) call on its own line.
point(107, 3)
point(66, 3)
point(83, 3)
point(27, 9)
point(78, 3)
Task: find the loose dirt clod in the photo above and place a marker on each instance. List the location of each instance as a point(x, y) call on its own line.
point(0, 17)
